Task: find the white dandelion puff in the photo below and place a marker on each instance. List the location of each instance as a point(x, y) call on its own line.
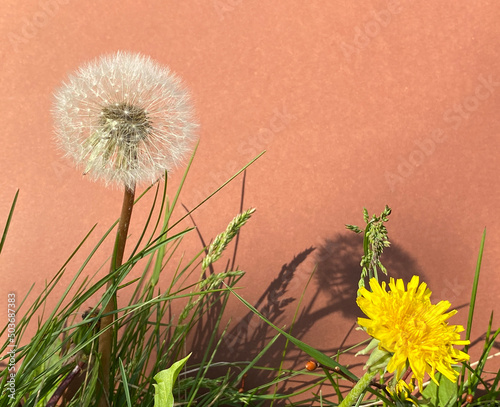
point(125, 119)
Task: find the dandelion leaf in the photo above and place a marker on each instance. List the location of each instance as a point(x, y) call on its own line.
point(166, 379)
point(442, 395)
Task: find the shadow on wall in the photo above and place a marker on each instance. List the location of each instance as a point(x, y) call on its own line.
point(336, 277)
point(338, 270)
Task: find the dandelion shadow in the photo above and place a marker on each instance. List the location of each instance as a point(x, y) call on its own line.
point(247, 337)
point(336, 278)
point(272, 304)
point(250, 334)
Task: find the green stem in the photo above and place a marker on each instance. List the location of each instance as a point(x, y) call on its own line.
point(106, 339)
point(358, 389)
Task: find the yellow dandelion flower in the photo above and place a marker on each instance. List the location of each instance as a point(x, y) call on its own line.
point(402, 392)
point(404, 388)
point(414, 330)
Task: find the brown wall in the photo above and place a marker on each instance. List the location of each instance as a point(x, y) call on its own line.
point(358, 104)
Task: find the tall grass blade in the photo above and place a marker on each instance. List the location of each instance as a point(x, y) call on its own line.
point(9, 218)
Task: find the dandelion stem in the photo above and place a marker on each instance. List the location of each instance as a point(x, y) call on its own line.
point(358, 389)
point(106, 339)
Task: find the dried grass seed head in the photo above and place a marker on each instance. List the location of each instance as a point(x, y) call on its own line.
point(125, 119)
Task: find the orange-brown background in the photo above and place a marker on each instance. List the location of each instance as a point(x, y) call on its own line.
point(358, 104)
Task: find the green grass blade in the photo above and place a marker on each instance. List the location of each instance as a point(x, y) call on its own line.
point(295, 316)
point(472, 305)
point(166, 219)
point(474, 290)
point(218, 189)
point(125, 383)
point(7, 224)
point(314, 353)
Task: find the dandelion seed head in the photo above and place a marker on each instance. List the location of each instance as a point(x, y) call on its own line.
point(124, 119)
